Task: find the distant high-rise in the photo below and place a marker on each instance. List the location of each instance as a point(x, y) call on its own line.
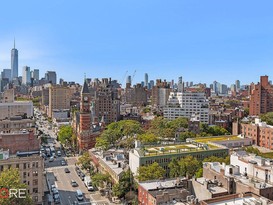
point(6, 73)
point(26, 75)
point(146, 79)
point(152, 83)
point(180, 84)
point(14, 62)
point(35, 74)
point(237, 83)
point(51, 77)
point(129, 80)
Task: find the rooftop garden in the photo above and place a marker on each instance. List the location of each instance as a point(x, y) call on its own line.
point(219, 138)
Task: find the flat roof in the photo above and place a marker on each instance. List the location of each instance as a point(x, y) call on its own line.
point(234, 201)
point(177, 148)
point(217, 138)
point(150, 185)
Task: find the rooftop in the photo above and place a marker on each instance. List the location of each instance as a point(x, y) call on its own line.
point(177, 148)
point(216, 138)
point(151, 185)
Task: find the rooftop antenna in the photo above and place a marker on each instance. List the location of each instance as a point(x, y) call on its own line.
point(84, 76)
point(14, 42)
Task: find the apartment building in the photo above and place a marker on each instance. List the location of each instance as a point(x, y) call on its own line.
point(260, 132)
point(111, 161)
point(187, 104)
point(162, 192)
point(107, 102)
point(31, 167)
point(17, 108)
point(160, 93)
point(136, 96)
point(19, 140)
point(261, 97)
point(16, 123)
point(246, 173)
point(59, 98)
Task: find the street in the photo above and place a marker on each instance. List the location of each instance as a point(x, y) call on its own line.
point(56, 174)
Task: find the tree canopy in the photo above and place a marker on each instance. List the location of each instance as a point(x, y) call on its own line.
point(150, 172)
point(126, 183)
point(268, 118)
point(65, 134)
point(85, 160)
point(124, 130)
point(10, 179)
point(100, 180)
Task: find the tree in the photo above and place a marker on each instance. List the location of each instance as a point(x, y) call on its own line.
point(188, 166)
point(150, 172)
point(148, 138)
point(225, 160)
point(102, 143)
point(184, 135)
point(100, 180)
point(10, 179)
point(179, 123)
point(65, 134)
point(126, 183)
point(85, 160)
point(174, 168)
point(268, 118)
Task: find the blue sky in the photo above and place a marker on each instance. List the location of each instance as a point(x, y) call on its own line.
point(201, 40)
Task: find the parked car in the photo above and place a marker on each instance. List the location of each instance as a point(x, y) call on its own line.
point(66, 170)
point(74, 183)
point(63, 163)
point(51, 159)
point(82, 175)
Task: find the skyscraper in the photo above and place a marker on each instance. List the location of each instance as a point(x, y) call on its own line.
point(51, 77)
point(238, 86)
point(14, 62)
point(146, 79)
point(26, 75)
point(35, 74)
point(180, 84)
point(6, 73)
point(129, 80)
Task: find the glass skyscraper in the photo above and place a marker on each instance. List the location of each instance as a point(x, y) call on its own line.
point(14, 62)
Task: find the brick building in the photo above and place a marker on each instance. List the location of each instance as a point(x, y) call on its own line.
point(261, 97)
point(260, 132)
point(24, 141)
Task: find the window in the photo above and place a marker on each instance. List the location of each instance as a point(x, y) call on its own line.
point(35, 190)
point(35, 182)
point(35, 173)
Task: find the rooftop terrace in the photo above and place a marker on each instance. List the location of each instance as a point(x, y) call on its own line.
point(216, 138)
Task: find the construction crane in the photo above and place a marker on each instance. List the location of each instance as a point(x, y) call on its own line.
point(133, 77)
point(122, 80)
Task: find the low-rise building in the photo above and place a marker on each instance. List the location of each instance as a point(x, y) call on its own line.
point(31, 167)
point(159, 192)
point(17, 108)
point(111, 161)
point(260, 132)
point(162, 154)
point(247, 173)
point(240, 199)
point(22, 140)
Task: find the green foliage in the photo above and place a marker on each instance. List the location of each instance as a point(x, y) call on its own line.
point(174, 168)
point(184, 135)
point(10, 179)
point(148, 138)
point(117, 130)
point(147, 110)
point(268, 118)
point(225, 160)
point(65, 134)
point(188, 166)
point(126, 183)
point(150, 172)
point(257, 152)
point(199, 173)
point(102, 143)
point(213, 130)
point(165, 128)
point(100, 180)
point(85, 160)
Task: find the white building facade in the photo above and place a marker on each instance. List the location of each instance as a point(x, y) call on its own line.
point(186, 104)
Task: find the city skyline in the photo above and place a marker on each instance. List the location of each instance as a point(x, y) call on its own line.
point(164, 39)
